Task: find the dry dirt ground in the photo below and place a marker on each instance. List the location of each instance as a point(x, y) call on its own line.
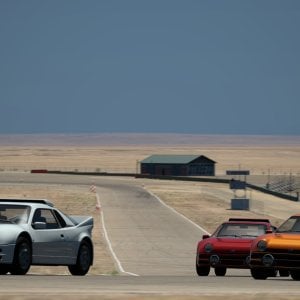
point(260, 160)
point(146, 297)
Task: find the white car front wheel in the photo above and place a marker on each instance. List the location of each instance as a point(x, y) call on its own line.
point(22, 257)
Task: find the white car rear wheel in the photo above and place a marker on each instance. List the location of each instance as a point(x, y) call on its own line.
point(84, 260)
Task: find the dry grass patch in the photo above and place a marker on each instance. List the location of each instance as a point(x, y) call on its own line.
point(203, 208)
point(260, 160)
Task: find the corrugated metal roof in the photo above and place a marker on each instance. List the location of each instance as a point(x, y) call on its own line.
point(169, 159)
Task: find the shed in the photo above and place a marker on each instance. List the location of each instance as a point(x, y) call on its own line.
point(178, 165)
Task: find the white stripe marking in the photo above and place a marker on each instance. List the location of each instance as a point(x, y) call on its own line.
point(119, 265)
point(176, 212)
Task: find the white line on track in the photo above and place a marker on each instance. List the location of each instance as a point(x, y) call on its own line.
point(176, 212)
point(119, 265)
point(117, 261)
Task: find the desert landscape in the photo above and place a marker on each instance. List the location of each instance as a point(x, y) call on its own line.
point(206, 204)
point(262, 155)
point(121, 153)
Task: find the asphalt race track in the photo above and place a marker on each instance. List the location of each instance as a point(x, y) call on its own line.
point(154, 249)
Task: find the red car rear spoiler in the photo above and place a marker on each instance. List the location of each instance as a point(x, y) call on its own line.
point(249, 220)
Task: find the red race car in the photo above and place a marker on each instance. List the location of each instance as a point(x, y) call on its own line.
point(229, 246)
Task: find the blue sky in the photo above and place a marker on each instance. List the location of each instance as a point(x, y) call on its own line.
point(190, 66)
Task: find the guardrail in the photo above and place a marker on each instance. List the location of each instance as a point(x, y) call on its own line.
point(274, 193)
point(180, 178)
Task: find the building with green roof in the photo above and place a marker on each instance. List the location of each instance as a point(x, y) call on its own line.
point(178, 165)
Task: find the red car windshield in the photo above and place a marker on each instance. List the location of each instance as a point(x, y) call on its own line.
point(241, 230)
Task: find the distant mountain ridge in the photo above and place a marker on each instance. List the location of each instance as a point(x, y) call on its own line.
point(139, 139)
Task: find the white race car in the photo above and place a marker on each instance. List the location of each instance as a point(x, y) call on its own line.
point(33, 232)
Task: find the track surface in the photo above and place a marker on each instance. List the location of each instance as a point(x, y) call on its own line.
point(149, 240)
point(147, 237)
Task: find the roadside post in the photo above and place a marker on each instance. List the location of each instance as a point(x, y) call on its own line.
point(239, 202)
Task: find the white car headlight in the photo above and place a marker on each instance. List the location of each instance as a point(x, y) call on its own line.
point(262, 245)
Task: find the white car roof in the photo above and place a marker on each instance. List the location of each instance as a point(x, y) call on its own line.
point(30, 202)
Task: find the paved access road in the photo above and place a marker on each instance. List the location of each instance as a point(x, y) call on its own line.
point(148, 239)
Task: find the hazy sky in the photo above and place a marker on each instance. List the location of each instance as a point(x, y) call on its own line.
point(189, 66)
